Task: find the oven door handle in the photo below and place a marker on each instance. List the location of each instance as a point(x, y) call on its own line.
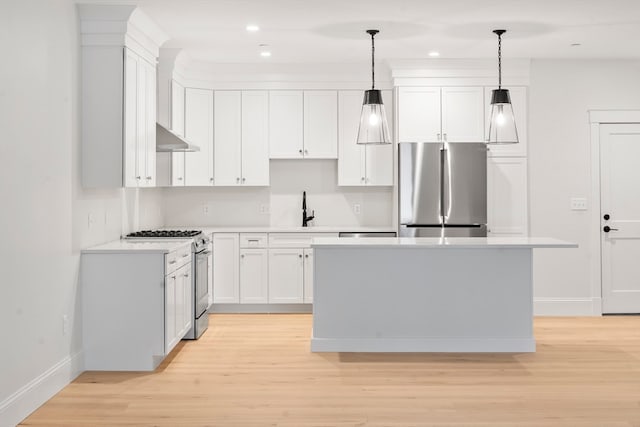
point(204, 253)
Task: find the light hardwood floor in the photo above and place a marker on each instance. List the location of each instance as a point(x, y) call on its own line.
point(257, 370)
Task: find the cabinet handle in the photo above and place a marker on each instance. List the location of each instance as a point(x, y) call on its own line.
point(173, 277)
point(300, 256)
point(306, 152)
point(242, 256)
point(186, 275)
point(438, 136)
point(211, 179)
point(362, 179)
point(306, 255)
point(444, 135)
point(138, 177)
point(149, 177)
point(184, 256)
point(244, 179)
point(172, 262)
point(237, 180)
point(253, 240)
point(300, 151)
point(179, 178)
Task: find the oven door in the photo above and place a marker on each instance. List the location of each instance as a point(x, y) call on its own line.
point(201, 290)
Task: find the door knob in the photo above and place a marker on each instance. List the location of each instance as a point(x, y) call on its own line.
point(606, 216)
point(607, 229)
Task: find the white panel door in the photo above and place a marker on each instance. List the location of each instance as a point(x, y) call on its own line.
point(130, 118)
point(255, 138)
point(520, 111)
point(320, 124)
point(226, 268)
point(463, 114)
point(620, 200)
point(228, 137)
point(308, 276)
point(149, 177)
point(419, 114)
point(286, 132)
point(286, 275)
point(507, 196)
point(379, 158)
point(351, 159)
point(198, 126)
point(254, 276)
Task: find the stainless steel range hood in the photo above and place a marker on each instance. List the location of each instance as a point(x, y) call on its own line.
point(168, 142)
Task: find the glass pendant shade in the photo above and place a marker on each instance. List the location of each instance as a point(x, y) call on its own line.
point(373, 127)
point(502, 126)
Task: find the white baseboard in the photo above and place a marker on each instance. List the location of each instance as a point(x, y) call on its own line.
point(32, 395)
point(567, 306)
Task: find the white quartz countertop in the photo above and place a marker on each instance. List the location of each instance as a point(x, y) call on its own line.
point(138, 246)
point(446, 242)
point(274, 229)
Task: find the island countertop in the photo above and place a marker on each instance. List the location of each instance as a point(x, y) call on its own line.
point(442, 243)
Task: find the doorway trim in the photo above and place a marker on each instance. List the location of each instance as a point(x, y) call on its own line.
point(597, 118)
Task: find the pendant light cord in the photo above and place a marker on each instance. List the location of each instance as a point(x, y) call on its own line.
point(499, 61)
point(373, 65)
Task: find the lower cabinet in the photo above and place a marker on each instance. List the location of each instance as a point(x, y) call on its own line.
point(307, 293)
point(286, 276)
point(226, 268)
point(253, 276)
point(178, 315)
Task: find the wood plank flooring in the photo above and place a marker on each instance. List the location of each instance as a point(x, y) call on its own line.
point(257, 370)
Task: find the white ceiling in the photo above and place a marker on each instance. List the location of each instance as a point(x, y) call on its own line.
point(332, 31)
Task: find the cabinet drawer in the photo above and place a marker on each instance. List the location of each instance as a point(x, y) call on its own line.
point(253, 240)
point(295, 240)
point(177, 258)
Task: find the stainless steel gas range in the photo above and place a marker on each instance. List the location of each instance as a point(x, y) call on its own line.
point(200, 271)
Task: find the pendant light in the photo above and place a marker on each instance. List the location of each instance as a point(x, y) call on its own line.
point(502, 126)
point(373, 127)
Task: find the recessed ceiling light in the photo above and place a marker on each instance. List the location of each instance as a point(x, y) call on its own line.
point(252, 28)
point(434, 54)
point(265, 53)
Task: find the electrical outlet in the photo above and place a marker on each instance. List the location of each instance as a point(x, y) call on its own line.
point(65, 324)
point(356, 208)
point(264, 209)
point(578, 204)
point(205, 208)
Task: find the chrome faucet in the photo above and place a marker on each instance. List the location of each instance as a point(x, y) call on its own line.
point(305, 218)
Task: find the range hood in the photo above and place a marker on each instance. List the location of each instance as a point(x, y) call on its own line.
point(168, 142)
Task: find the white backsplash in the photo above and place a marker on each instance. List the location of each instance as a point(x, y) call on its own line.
point(280, 204)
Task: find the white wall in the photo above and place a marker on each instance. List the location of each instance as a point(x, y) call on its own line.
point(561, 93)
point(241, 206)
point(45, 212)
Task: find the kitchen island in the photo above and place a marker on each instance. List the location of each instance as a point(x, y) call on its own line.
point(424, 294)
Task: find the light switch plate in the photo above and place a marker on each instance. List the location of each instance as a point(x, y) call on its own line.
point(578, 204)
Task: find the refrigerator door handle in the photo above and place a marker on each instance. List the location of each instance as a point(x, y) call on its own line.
point(445, 184)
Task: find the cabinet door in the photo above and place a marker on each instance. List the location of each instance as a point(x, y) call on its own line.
point(253, 276)
point(285, 124)
point(321, 124)
point(351, 166)
point(308, 276)
point(255, 141)
point(210, 270)
point(199, 129)
point(226, 268)
point(520, 111)
point(149, 177)
point(177, 169)
point(181, 312)
point(170, 333)
point(507, 196)
point(379, 158)
point(130, 119)
point(286, 275)
point(419, 114)
point(463, 114)
point(141, 120)
point(177, 107)
point(228, 137)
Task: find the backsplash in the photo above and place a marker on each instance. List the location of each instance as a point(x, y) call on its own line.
point(280, 204)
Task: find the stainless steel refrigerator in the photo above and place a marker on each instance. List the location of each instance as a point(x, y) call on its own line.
point(442, 189)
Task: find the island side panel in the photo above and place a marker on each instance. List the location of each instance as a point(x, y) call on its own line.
point(422, 299)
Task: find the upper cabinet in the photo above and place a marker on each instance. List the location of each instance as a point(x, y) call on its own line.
point(198, 127)
point(177, 125)
point(519, 103)
point(118, 96)
point(362, 164)
point(241, 150)
point(303, 124)
point(434, 114)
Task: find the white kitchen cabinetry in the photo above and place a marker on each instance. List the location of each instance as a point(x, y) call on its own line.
point(434, 114)
point(119, 55)
point(226, 268)
point(360, 164)
point(253, 276)
point(241, 151)
point(286, 275)
point(308, 276)
point(199, 130)
point(177, 126)
point(136, 303)
point(520, 111)
point(303, 124)
point(507, 196)
point(139, 121)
